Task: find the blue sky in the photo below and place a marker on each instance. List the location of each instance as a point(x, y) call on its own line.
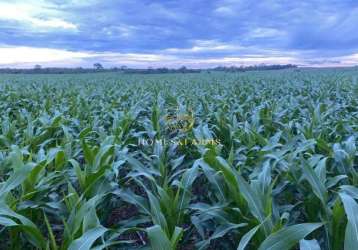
point(196, 33)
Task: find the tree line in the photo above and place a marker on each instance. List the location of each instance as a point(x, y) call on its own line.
point(254, 68)
point(97, 67)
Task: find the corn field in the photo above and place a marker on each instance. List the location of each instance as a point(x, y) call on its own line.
point(254, 160)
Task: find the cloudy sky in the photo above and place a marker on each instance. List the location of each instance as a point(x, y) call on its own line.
point(195, 33)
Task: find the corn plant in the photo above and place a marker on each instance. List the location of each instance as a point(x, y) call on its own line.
point(249, 160)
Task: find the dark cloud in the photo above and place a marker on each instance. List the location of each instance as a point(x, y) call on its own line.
point(231, 28)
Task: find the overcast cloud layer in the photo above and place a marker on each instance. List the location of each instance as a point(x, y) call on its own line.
point(196, 33)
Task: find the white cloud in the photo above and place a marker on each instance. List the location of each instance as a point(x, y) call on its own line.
point(122, 30)
point(243, 61)
point(231, 8)
point(225, 11)
point(120, 58)
point(77, 3)
point(18, 55)
point(265, 33)
point(12, 56)
point(52, 23)
point(33, 15)
point(206, 46)
point(229, 48)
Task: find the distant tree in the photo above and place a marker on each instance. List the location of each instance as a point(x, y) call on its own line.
point(37, 67)
point(182, 69)
point(124, 67)
point(98, 66)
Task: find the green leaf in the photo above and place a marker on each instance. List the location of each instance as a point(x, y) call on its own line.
point(86, 241)
point(186, 182)
point(331, 182)
point(177, 234)
point(255, 204)
point(317, 186)
point(309, 245)
point(288, 237)
point(7, 222)
point(338, 221)
point(215, 179)
point(219, 232)
point(351, 208)
point(247, 237)
point(158, 239)
point(27, 226)
point(16, 179)
point(350, 190)
point(50, 232)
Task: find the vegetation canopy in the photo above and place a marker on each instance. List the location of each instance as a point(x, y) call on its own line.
point(273, 166)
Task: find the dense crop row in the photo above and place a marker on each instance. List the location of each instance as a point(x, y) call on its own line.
point(205, 161)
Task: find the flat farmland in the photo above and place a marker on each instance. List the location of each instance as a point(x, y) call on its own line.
point(252, 160)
